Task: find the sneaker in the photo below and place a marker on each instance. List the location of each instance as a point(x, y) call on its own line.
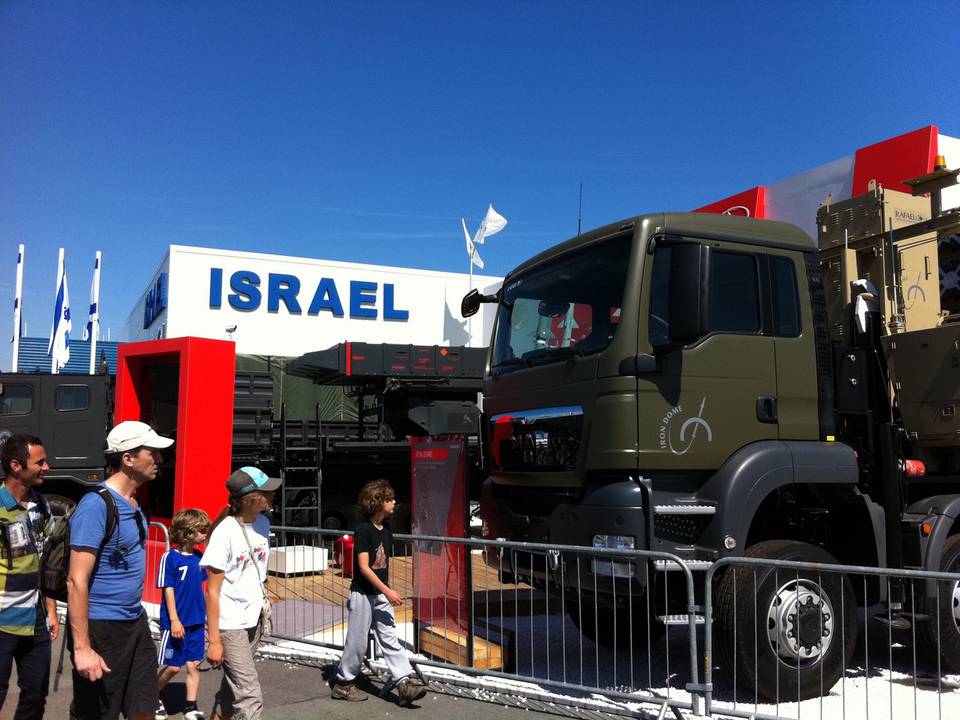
point(193, 714)
point(161, 712)
point(410, 689)
point(347, 691)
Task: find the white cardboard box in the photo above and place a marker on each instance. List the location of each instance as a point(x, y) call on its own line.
point(297, 560)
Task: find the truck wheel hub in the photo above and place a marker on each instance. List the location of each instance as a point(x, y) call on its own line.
point(956, 605)
point(800, 622)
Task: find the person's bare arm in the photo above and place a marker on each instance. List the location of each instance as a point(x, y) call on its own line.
point(52, 619)
point(214, 645)
point(170, 600)
point(85, 659)
point(363, 561)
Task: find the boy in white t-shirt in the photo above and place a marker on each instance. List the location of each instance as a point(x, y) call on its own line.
point(237, 605)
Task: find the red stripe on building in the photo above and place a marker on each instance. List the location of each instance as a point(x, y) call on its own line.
point(892, 161)
point(750, 203)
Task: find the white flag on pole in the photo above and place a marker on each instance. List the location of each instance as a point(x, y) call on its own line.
point(59, 348)
point(471, 248)
point(493, 222)
point(94, 317)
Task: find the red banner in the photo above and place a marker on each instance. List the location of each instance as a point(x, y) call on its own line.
point(439, 508)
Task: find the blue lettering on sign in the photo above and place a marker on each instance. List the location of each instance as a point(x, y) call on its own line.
point(246, 295)
point(362, 294)
point(155, 301)
point(389, 311)
point(216, 287)
point(326, 298)
point(283, 287)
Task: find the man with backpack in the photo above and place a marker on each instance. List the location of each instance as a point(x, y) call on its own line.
point(28, 621)
point(114, 659)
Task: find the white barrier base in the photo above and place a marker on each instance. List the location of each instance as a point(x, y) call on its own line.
point(297, 560)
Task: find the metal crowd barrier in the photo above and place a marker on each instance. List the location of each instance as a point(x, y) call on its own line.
point(576, 622)
point(158, 542)
point(522, 619)
point(774, 646)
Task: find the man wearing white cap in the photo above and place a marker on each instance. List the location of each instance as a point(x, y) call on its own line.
point(114, 659)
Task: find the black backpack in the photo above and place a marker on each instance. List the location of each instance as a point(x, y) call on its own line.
point(55, 565)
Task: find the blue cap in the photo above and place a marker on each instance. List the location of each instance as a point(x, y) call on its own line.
point(248, 478)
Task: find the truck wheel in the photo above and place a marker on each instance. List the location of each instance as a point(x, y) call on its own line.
point(787, 634)
point(612, 628)
point(948, 619)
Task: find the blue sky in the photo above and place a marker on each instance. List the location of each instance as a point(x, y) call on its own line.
point(363, 131)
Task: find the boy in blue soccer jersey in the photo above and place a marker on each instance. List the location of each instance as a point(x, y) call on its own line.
point(183, 610)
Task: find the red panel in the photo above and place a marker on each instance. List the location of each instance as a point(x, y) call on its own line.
point(892, 161)
point(204, 411)
point(749, 203)
point(204, 425)
point(438, 486)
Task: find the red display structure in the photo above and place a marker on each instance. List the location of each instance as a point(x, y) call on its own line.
point(184, 388)
point(440, 570)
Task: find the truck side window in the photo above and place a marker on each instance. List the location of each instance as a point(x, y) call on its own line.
point(734, 293)
point(72, 397)
point(786, 306)
point(16, 400)
point(660, 297)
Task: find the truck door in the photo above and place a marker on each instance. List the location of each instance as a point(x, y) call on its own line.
point(791, 324)
point(716, 394)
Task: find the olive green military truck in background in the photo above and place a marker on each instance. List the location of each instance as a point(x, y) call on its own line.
point(715, 386)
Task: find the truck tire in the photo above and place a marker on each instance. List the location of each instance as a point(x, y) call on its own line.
point(786, 634)
point(612, 628)
point(947, 622)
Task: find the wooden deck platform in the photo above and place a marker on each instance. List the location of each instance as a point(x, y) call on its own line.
point(332, 588)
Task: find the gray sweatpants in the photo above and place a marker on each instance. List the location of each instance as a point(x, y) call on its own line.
point(240, 696)
point(367, 610)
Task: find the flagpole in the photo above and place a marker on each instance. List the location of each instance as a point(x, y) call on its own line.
point(470, 319)
point(17, 309)
point(95, 313)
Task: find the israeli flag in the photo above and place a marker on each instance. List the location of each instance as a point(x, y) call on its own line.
point(59, 348)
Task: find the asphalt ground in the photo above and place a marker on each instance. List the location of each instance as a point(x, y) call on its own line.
point(295, 691)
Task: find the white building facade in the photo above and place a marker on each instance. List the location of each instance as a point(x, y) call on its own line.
point(287, 306)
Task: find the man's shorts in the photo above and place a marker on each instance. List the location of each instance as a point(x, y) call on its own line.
point(130, 687)
point(176, 652)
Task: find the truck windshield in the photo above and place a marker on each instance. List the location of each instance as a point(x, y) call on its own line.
point(566, 306)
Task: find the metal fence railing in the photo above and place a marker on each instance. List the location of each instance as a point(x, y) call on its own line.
point(791, 639)
point(565, 617)
point(773, 639)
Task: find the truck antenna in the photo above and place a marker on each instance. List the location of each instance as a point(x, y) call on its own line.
point(580, 210)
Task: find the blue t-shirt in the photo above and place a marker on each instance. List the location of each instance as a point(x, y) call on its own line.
point(116, 585)
point(184, 574)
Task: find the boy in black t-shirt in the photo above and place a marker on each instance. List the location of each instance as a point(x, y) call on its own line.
point(371, 602)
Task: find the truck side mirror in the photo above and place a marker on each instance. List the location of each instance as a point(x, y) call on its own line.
point(689, 272)
point(472, 300)
point(470, 304)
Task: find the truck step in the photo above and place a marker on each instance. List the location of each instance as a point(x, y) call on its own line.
point(685, 509)
point(670, 565)
point(680, 619)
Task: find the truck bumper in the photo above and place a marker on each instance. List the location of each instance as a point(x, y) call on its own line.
point(567, 524)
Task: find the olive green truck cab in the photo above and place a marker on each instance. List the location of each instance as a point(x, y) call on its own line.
point(715, 386)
